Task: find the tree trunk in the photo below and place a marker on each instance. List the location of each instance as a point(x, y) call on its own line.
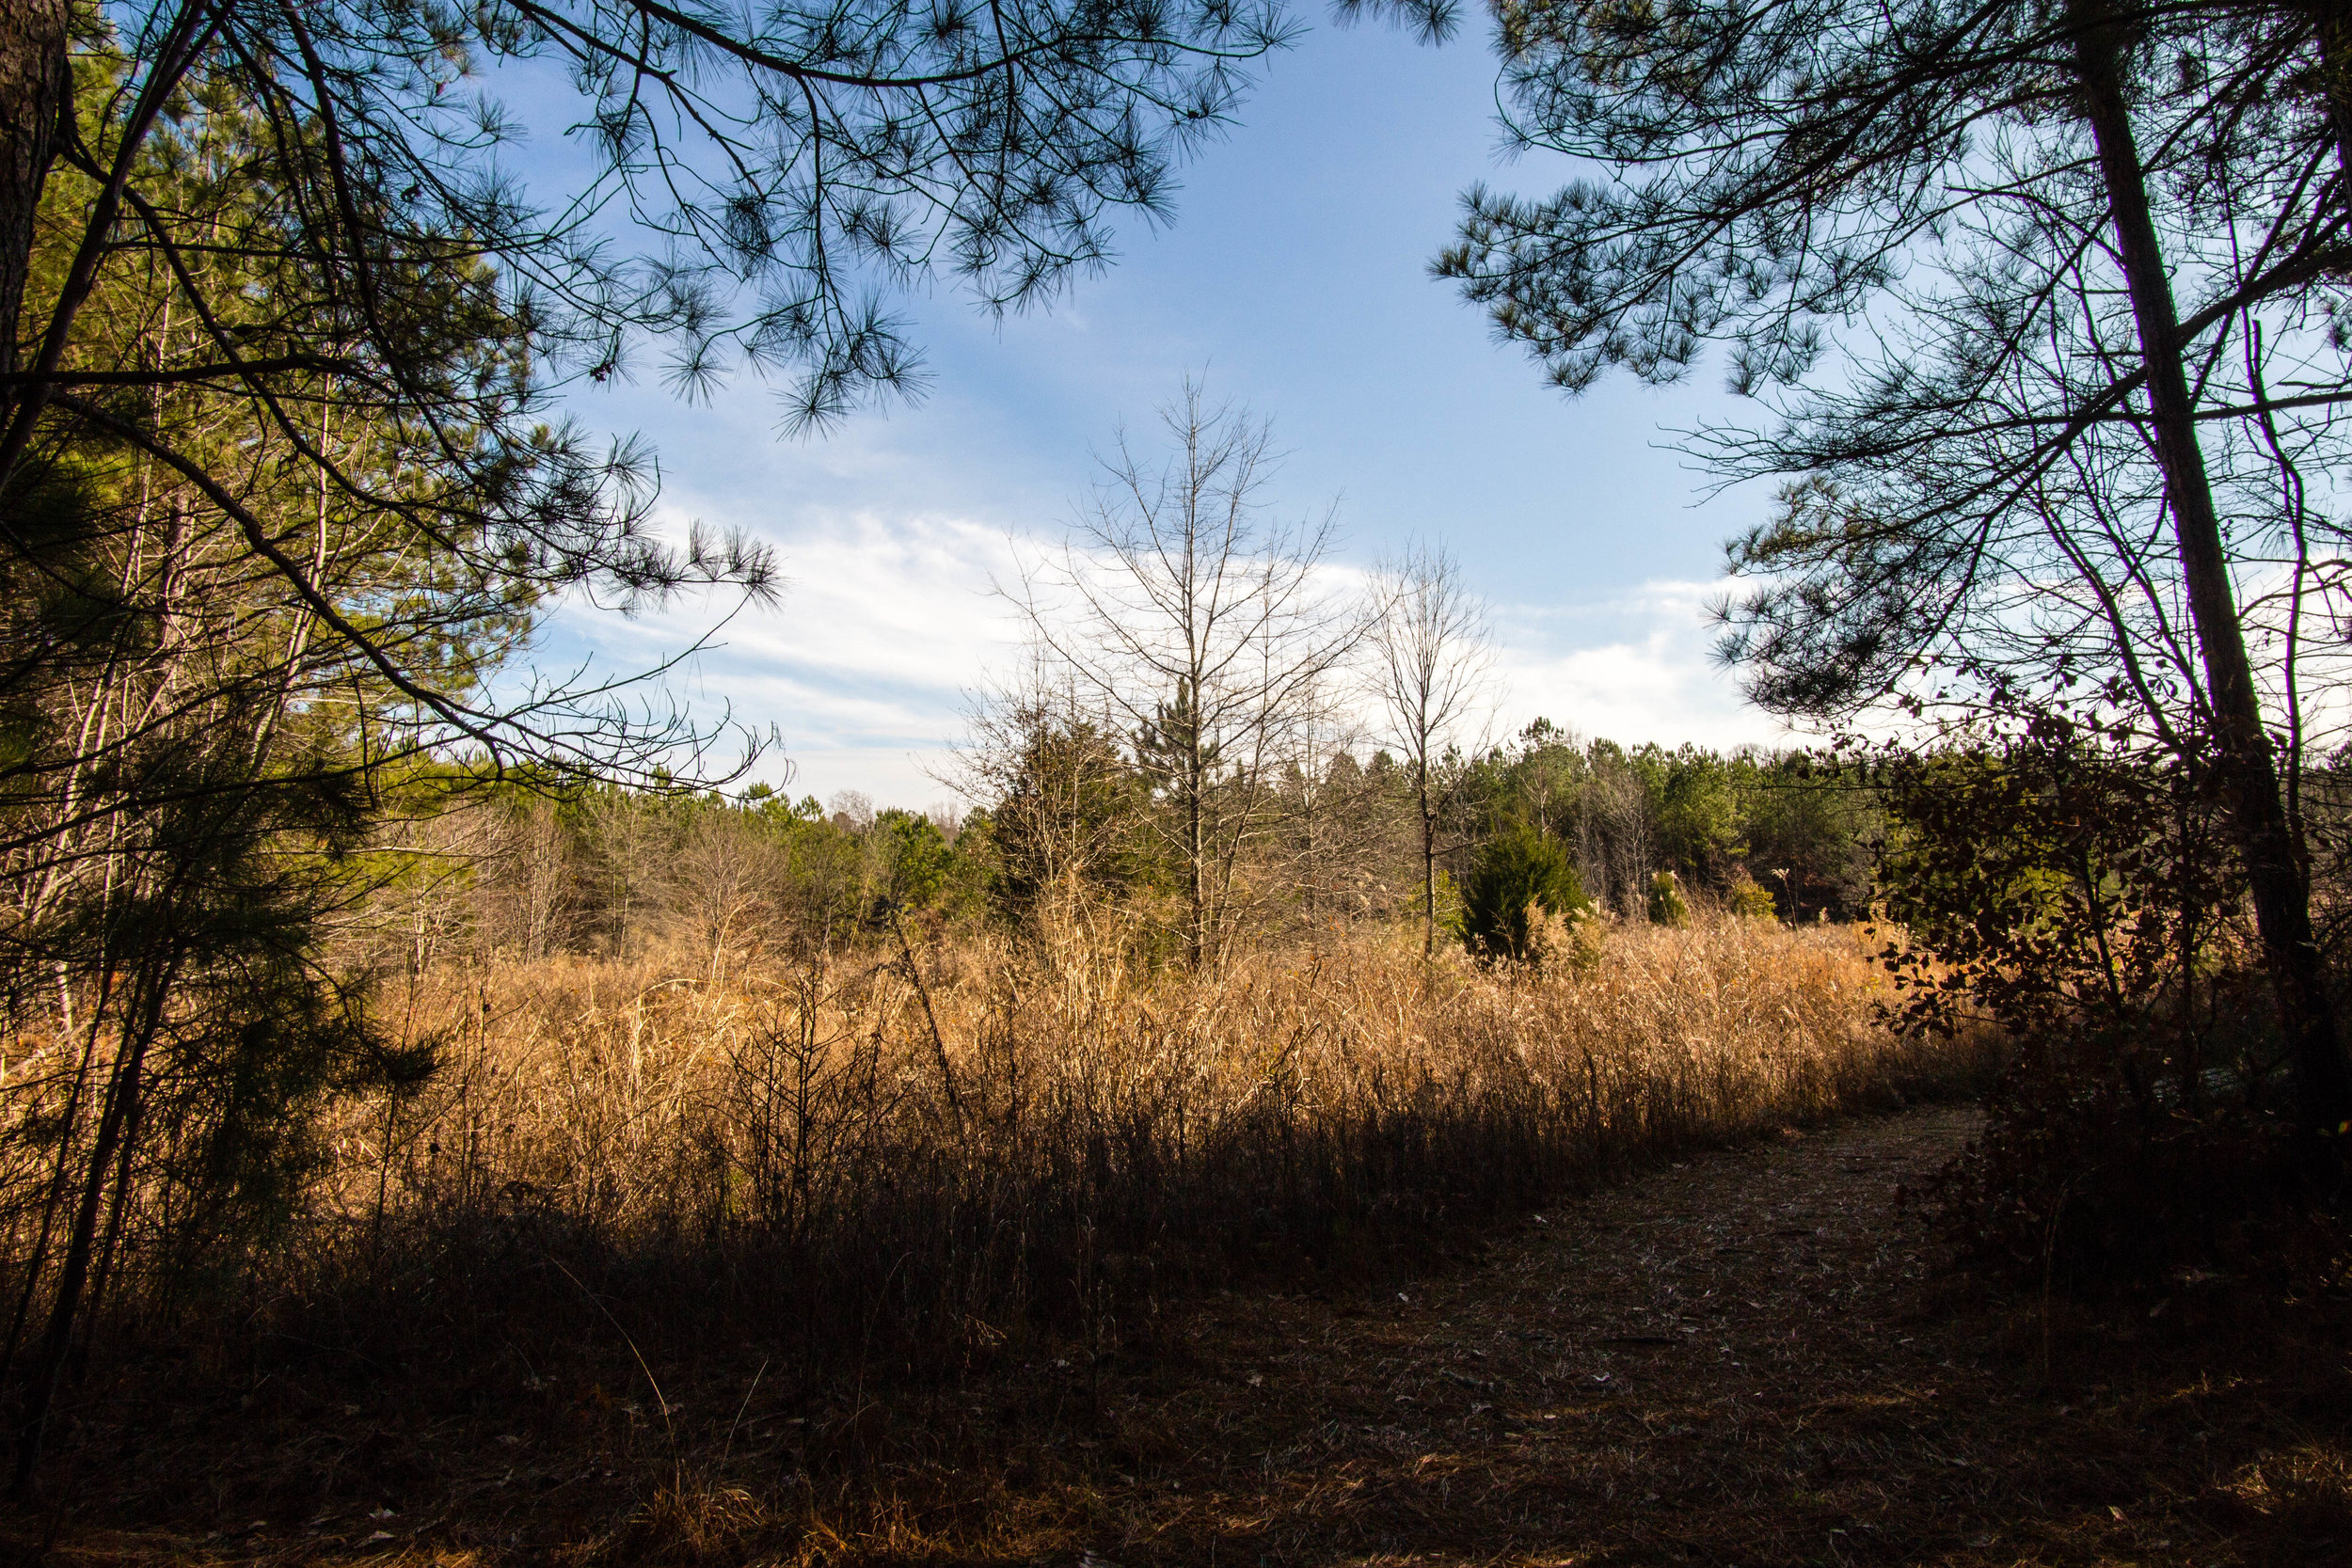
point(117, 1123)
point(1195, 854)
point(2331, 25)
point(1428, 866)
point(2274, 867)
point(34, 81)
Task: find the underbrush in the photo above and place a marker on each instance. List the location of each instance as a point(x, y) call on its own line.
point(2154, 1130)
point(2092, 1180)
point(873, 1172)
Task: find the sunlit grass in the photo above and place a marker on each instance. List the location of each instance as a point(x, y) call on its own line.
point(1081, 1137)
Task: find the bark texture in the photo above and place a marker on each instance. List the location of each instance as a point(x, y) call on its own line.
point(35, 83)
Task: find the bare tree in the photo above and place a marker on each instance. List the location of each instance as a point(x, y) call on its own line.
point(1205, 629)
point(1336, 851)
point(721, 886)
point(535, 868)
point(428, 907)
point(1432, 669)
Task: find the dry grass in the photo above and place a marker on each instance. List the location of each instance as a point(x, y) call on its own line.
point(600, 1086)
point(649, 1220)
point(1073, 1142)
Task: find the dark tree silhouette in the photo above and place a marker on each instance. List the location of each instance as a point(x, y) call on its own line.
point(281, 486)
point(2038, 296)
point(758, 184)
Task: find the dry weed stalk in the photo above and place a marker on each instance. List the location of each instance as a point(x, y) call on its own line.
point(774, 1153)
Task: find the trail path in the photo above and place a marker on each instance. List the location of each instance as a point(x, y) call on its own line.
point(1740, 1360)
point(1732, 1361)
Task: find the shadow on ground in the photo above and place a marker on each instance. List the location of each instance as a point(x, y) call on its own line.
point(1745, 1359)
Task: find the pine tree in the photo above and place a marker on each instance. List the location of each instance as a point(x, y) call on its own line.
point(2080, 245)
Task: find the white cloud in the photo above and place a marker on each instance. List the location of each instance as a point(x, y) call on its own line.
point(863, 662)
point(1634, 666)
point(885, 624)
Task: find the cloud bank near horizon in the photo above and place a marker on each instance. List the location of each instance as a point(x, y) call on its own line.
point(888, 628)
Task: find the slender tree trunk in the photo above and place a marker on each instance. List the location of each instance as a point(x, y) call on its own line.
point(118, 1122)
point(939, 1041)
point(35, 80)
point(1428, 866)
point(2274, 866)
point(67, 1130)
point(2331, 22)
point(1196, 852)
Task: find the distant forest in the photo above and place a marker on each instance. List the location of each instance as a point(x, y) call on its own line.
point(602, 870)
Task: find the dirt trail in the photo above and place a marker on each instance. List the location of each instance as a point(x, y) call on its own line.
point(1734, 1361)
point(1744, 1359)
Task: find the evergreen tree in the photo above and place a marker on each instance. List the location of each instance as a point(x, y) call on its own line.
point(1518, 870)
point(199, 745)
point(2090, 242)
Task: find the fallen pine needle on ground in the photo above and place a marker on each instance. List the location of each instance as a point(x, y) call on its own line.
point(1742, 1358)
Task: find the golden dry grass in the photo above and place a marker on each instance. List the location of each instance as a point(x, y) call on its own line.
point(643, 1216)
point(591, 1082)
point(911, 1164)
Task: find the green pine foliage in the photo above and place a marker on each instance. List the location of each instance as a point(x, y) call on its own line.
point(1667, 906)
point(915, 862)
point(1749, 900)
point(1518, 869)
point(1711, 817)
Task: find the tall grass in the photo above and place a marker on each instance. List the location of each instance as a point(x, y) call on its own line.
point(798, 1157)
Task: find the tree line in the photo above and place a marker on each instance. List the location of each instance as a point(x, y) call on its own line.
point(724, 881)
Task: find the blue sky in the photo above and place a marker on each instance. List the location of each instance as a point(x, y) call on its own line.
point(1294, 278)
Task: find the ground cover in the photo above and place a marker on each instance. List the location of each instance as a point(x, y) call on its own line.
point(1743, 1357)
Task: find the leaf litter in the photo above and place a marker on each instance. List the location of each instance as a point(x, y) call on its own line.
point(1749, 1359)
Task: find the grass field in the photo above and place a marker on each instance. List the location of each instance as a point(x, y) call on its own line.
point(832, 1194)
point(1047, 1137)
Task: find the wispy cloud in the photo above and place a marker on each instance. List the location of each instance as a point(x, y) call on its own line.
point(883, 624)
